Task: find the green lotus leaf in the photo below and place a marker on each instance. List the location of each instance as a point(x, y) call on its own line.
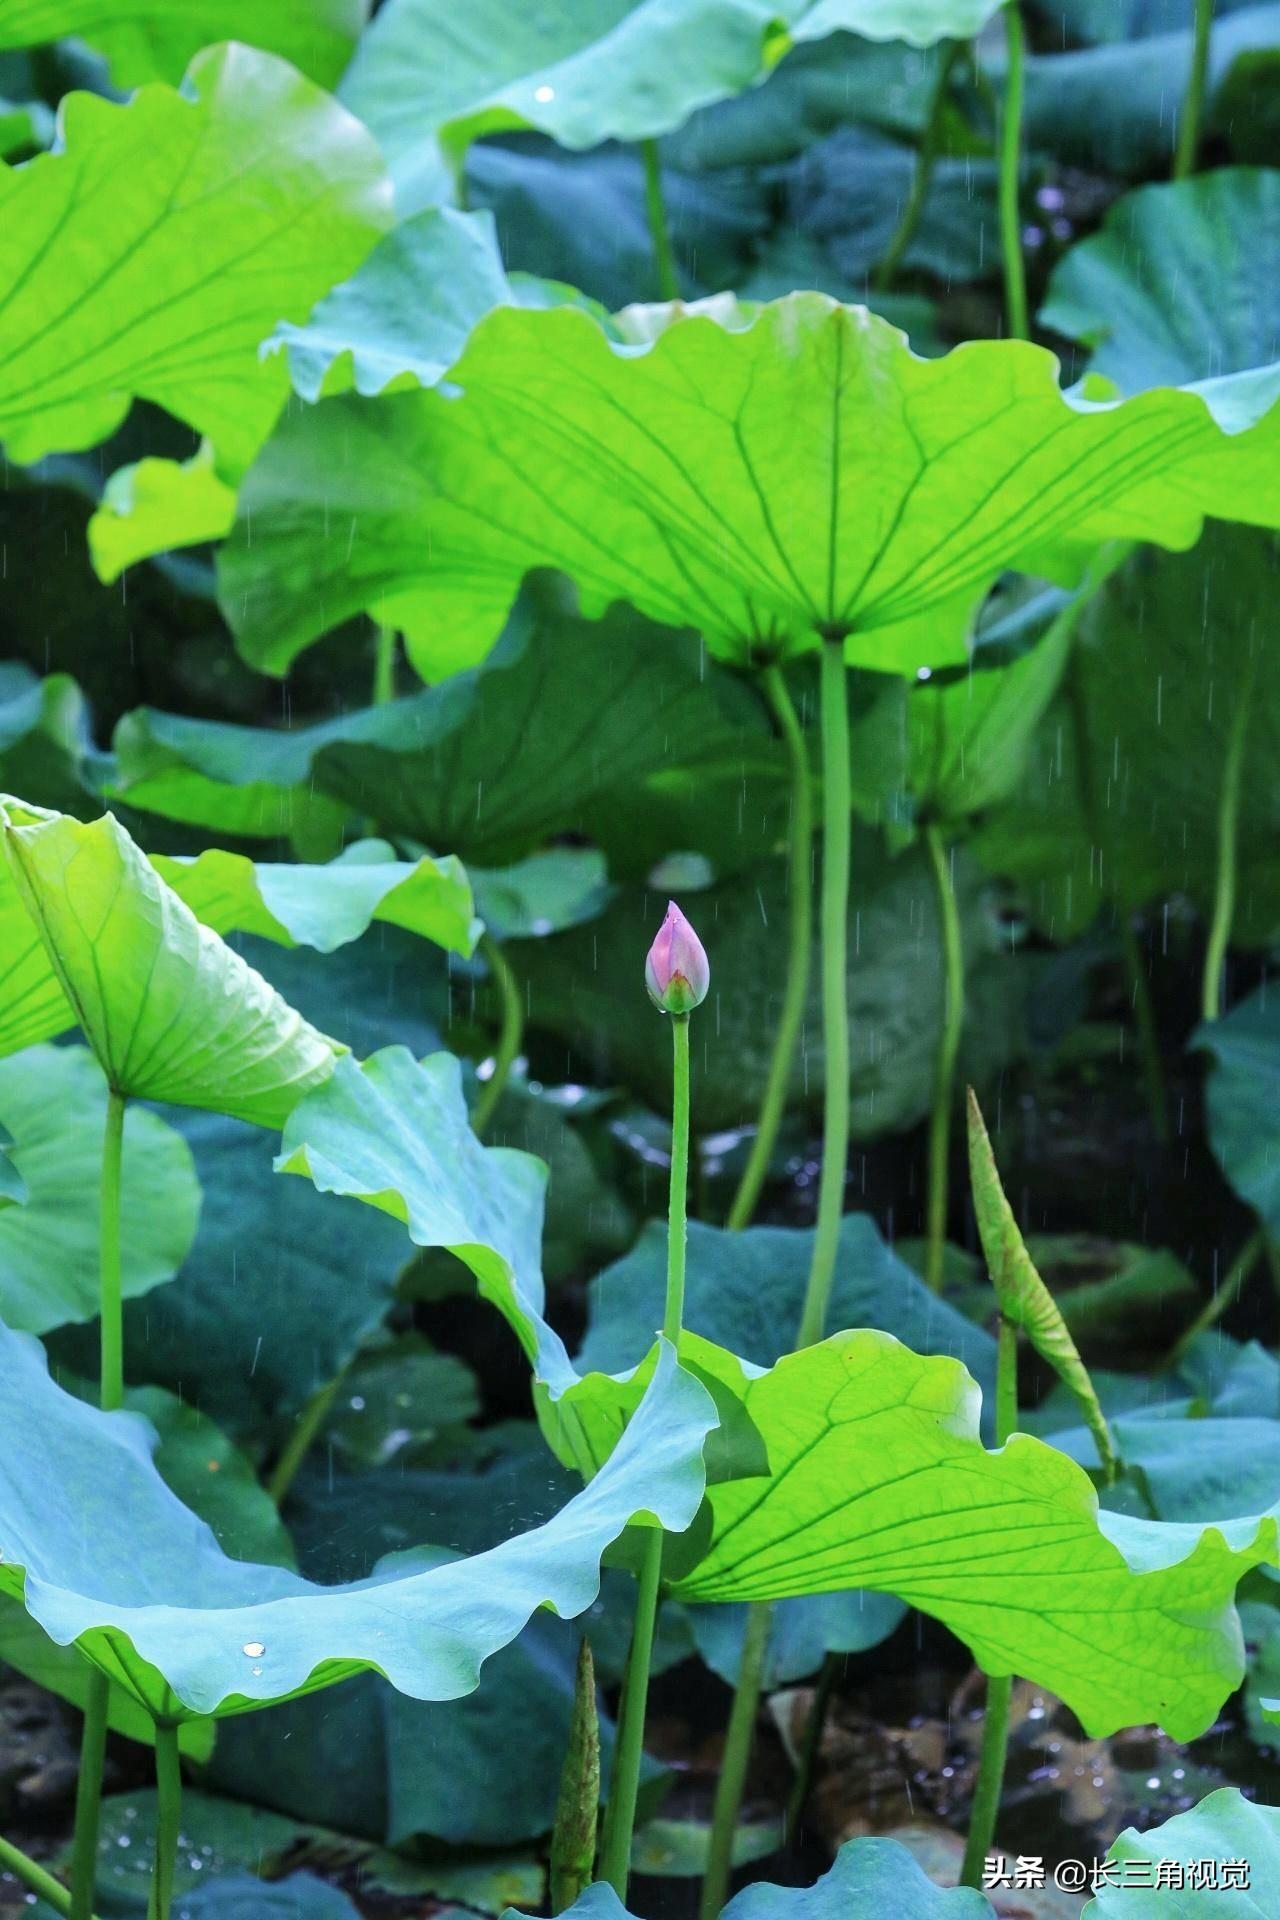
point(1121, 793)
point(563, 887)
point(170, 1012)
point(245, 783)
point(878, 1480)
point(1180, 284)
point(561, 714)
point(53, 1101)
point(160, 1608)
point(394, 1132)
point(154, 39)
point(242, 1896)
point(326, 906)
point(584, 72)
point(1241, 1099)
point(1225, 1826)
point(404, 317)
point(157, 505)
point(867, 1880)
point(46, 750)
point(841, 483)
point(234, 203)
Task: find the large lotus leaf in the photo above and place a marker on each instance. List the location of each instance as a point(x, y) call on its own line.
point(1108, 21)
point(154, 39)
point(1108, 108)
point(326, 906)
point(491, 762)
point(1180, 284)
point(233, 204)
point(801, 1633)
point(1225, 1826)
point(1122, 789)
point(581, 986)
point(584, 72)
point(878, 1479)
point(394, 1131)
point(840, 482)
point(745, 1291)
point(1182, 1466)
point(1243, 1100)
point(53, 1101)
point(190, 1632)
point(404, 317)
point(171, 1012)
point(867, 1880)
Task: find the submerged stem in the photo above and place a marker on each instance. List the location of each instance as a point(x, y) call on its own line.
point(1148, 1037)
point(628, 1751)
point(510, 1033)
point(1015, 271)
point(1218, 1303)
point(948, 1049)
point(1224, 893)
point(799, 951)
point(1189, 119)
point(308, 1424)
point(738, 1739)
point(384, 666)
point(93, 1738)
point(656, 208)
point(837, 804)
point(995, 1730)
point(168, 1821)
point(926, 159)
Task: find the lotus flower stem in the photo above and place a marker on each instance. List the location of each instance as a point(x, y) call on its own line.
point(168, 1821)
point(93, 1739)
point(677, 977)
point(948, 1048)
point(926, 159)
point(308, 1424)
point(1224, 895)
point(995, 1729)
point(1188, 144)
point(656, 208)
point(33, 1875)
point(837, 803)
point(1224, 1297)
point(1148, 1038)
point(799, 951)
point(510, 1033)
point(1015, 272)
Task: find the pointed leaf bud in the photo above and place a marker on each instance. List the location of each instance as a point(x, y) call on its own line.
point(677, 972)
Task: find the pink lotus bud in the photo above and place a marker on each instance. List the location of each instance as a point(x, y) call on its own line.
point(677, 973)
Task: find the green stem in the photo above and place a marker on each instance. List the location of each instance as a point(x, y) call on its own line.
point(628, 1751)
point(948, 1049)
point(795, 990)
point(93, 1738)
point(926, 159)
point(1015, 272)
point(168, 1821)
point(1148, 1038)
point(109, 1299)
point(995, 1730)
point(733, 1767)
point(1218, 1303)
point(837, 805)
point(306, 1427)
point(1184, 156)
point(1224, 895)
point(656, 208)
point(384, 666)
point(32, 1874)
point(510, 1033)
point(807, 1759)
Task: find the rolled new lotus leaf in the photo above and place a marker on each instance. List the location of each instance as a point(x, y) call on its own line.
point(169, 1010)
point(149, 1596)
point(1023, 1296)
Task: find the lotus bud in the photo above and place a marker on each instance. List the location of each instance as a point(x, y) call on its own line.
point(677, 973)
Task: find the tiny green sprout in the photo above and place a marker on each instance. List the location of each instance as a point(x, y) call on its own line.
point(677, 972)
